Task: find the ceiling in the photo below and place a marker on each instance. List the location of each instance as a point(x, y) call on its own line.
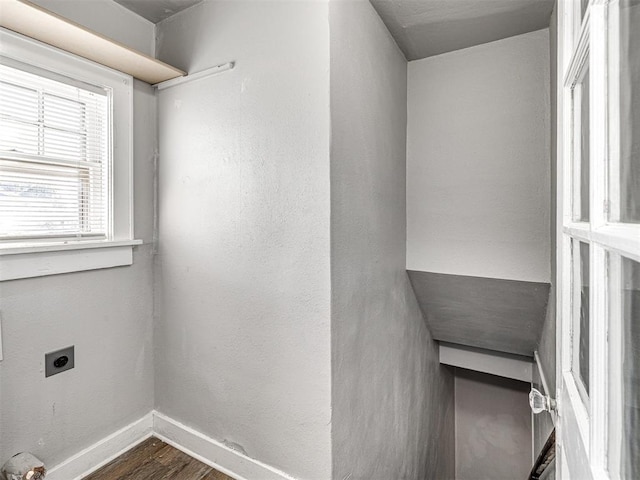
point(157, 10)
point(423, 28)
point(493, 314)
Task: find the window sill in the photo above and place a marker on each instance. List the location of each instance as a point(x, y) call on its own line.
point(28, 261)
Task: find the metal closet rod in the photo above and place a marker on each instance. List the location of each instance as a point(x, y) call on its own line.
point(207, 72)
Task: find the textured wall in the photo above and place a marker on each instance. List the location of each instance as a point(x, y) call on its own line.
point(547, 346)
point(493, 427)
point(478, 161)
point(392, 400)
point(242, 339)
point(543, 423)
point(106, 314)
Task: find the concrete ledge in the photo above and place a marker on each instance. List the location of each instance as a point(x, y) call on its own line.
point(488, 313)
point(516, 367)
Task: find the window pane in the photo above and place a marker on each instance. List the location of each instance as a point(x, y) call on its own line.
point(18, 137)
point(625, 177)
point(624, 306)
point(61, 144)
point(580, 329)
point(54, 156)
point(584, 148)
point(44, 202)
point(584, 315)
point(18, 102)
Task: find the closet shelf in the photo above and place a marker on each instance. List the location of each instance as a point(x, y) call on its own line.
point(24, 17)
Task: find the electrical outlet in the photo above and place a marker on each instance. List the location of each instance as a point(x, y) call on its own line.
point(59, 361)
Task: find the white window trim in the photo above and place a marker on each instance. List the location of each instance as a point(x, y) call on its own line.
point(584, 48)
point(34, 259)
point(584, 430)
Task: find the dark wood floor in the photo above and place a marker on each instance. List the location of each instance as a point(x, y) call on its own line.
point(153, 459)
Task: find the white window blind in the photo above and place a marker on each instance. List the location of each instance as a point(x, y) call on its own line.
point(54, 156)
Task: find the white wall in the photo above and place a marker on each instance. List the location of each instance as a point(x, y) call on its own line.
point(478, 171)
point(243, 337)
point(392, 400)
point(106, 314)
point(493, 427)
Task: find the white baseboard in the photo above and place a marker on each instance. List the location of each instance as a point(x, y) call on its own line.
point(102, 452)
point(182, 437)
point(212, 452)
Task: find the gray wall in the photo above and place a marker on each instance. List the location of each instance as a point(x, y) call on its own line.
point(392, 401)
point(543, 424)
point(547, 346)
point(478, 171)
point(243, 335)
point(493, 427)
point(106, 314)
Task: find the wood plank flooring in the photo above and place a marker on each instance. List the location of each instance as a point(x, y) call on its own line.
point(153, 459)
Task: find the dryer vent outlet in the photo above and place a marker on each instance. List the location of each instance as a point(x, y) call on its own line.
point(59, 361)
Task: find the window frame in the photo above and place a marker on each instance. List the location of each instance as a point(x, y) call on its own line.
point(26, 162)
point(585, 427)
point(38, 257)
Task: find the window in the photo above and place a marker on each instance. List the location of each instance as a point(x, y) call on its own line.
point(599, 205)
point(54, 156)
point(65, 162)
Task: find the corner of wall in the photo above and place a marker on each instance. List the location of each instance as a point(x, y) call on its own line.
point(395, 419)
